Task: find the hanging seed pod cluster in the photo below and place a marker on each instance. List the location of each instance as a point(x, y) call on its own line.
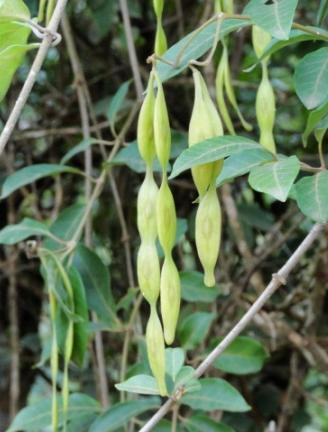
point(265, 99)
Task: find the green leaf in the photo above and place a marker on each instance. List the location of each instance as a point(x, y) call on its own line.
point(141, 384)
point(194, 290)
point(32, 173)
point(81, 147)
point(194, 328)
point(37, 417)
point(12, 33)
point(121, 413)
point(211, 150)
point(243, 356)
point(96, 281)
point(186, 378)
point(311, 77)
point(12, 234)
point(201, 423)
point(193, 46)
point(243, 162)
point(216, 394)
point(130, 157)
point(313, 120)
point(275, 178)
point(311, 196)
point(174, 360)
point(275, 18)
point(323, 11)
point(13, 10)
point(115, 104)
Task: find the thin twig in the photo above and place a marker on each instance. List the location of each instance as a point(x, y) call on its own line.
point(31, 78)
point(278, 279)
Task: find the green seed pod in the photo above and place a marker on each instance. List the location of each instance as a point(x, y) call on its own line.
point(160, 40)
point(148, 270)
point(170, 298)
point(205, 123)
point(162, 131)
point(218, 6)
point(261, 40)
point(266, 111)
point(166, 217)
point(156, 350)
point(208, 233)
point(158, 7)
point(145, 129)
point(147, 199)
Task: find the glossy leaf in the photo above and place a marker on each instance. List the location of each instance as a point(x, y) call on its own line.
point(243, 356)
point(141, 384)
point(275, 178)
point(194, 328)
point(276, 17)
point(311, 77)
point(311, 196)
point(201, 423)
point(216, 394)
point(121, 413)
point(194, 290)
point(211, 150)
point(174, 360)
point(243, 162)
point(12, 234)
point(32, 173)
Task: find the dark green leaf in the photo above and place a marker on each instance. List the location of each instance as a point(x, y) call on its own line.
point(194, 328)
point(276, 17)
point(117, 101)
point(121, 413)
point(275, 178)
point(311, 196)
point(216, 394)
point(323, 11)
point(243, 356)
point(194, 290)
point(311, 77)
point(32, 173)
point(211, 150)
point(12, 234)
point(81, 147)
point(202, 423)
point(141, 384)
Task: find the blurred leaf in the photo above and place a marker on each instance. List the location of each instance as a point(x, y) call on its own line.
point(13, 9)
point(193, 46)
point(243, 162)
point(81, 147)
point(202, 423)
point(194, 290)
point(311, 77)
point(174, 360)
point(116, 103)
point(311, 196)
point(275, 178)
point(121, 413)
point(313, 120)
point(12, 234)
point(194, 328)
point(37, 417)
point(30, 174)
point(243, 356)
point(211, 150)
point(96, 280)
point(275, 18)
point(216, 394)
point(130, 157)
point(141, 384)
point(323, 11)
point(254, 216)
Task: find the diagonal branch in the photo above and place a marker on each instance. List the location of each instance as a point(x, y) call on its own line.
point(32, 76)
point(277, 280)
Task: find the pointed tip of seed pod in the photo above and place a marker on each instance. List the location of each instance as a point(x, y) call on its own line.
point(162, 388)
point(209, 279)
point(169, 338)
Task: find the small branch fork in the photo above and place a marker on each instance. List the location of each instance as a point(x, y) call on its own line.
point(278, 279)
point(47, 41)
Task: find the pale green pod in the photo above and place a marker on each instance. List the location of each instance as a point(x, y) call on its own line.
point(218, 6)
point(260, 39)
point(208, 233)
point(162, 131)
point(228, 6)
point(148, 270)
point(160, 40)
point(158, 7)
point(145, 128)
point(156, 350)
point(266, 111)
point(147, 199)
point(205, 123)
point(166, 217)
point(170, 298)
